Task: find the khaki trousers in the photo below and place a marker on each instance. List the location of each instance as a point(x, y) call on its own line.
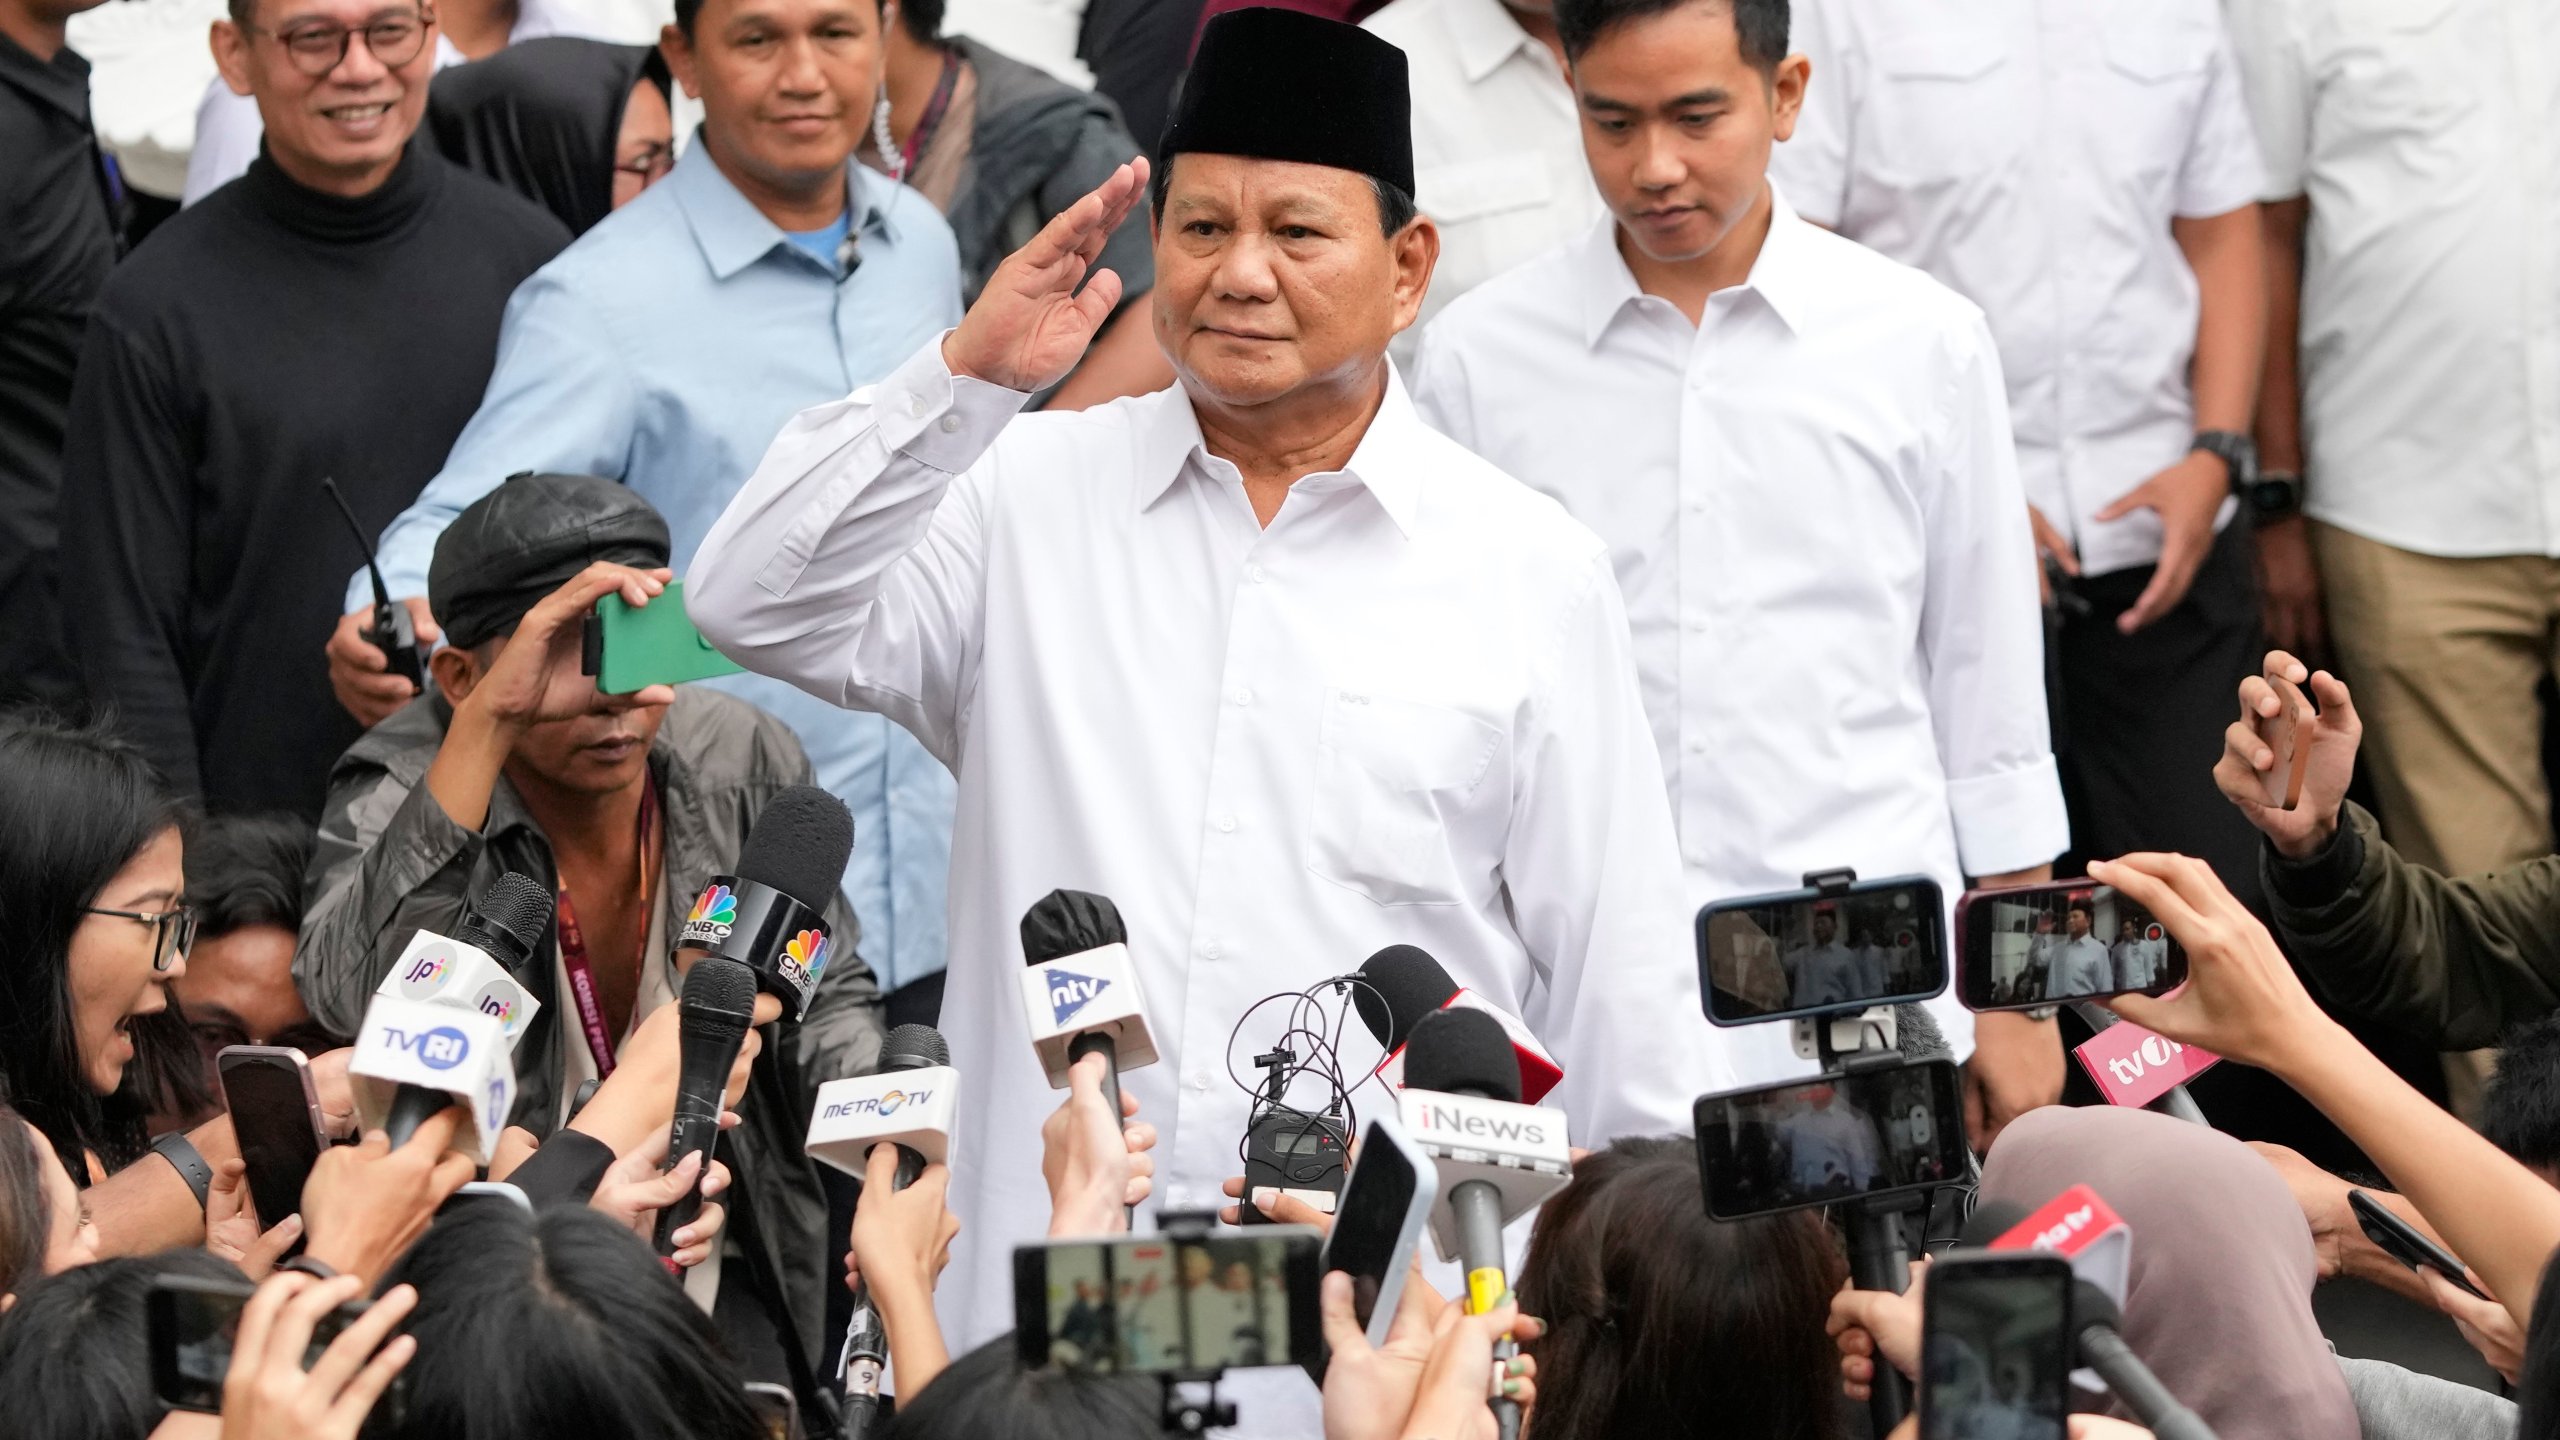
point(2445, 655)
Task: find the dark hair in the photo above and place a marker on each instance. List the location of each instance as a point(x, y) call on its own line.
point(2520, 1108)
point(1761, 25)
point(1395, 206)
point(987, 1395)
point(687, 11)
point(2538, 1386)
point(76, 804)
point(1662, 1322)
point(26, 1216)
point(75, 1351)
point(553, 1328)
point(922, 19)
point(245, 870)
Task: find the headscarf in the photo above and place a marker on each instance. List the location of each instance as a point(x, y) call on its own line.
point(542, 117)
point(2219, 1300)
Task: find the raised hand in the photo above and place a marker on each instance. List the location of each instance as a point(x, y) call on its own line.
point(2253, 775)
point(1031, 323)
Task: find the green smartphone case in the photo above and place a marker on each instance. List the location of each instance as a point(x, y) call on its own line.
point(630, 648)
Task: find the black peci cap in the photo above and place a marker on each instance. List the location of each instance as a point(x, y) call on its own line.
point(1284, 85)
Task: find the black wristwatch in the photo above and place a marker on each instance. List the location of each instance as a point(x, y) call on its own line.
point(2274, 495)
point(2238, 454)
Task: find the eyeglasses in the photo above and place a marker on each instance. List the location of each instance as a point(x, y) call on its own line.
point(320, 47)
point(173, 932)
point(651, 162)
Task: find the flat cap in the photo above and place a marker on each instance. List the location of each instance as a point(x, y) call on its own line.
point(527, 538)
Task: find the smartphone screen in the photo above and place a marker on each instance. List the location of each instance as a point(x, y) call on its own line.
point(192, 1323)
point(1812, 1142)
point(1995, 1350)
point(2071, 940)
point(274, 1114)
point(1148, 1304)
point(1368, 1228)
point(1773, 956)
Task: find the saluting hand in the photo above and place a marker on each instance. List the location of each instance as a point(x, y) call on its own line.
point(1031, 323)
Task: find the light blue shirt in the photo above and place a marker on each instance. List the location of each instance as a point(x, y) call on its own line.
point(667, 347)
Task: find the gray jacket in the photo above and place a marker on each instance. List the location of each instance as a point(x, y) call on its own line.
point(390, 862)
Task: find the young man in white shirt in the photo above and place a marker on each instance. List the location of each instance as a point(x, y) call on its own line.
point(1261, 656)
point(1497, 152)
point(1798, 452)
point(2413, 386)
point(2083, 170)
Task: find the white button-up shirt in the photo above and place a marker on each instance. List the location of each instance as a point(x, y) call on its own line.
point(1814, 512)
point(1497, 143)
point(1405, 711)
point(2427, 135)
point(2031, 154)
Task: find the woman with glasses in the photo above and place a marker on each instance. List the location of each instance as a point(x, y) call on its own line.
point(579, 127)
point(93, 929)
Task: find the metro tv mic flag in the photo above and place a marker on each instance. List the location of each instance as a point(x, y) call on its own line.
point(1496, 1156)
point(771, 915)
point(718, 1005)
point(1402, 983)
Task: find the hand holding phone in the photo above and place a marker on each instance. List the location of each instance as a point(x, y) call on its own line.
point(1386, 1205)
point(1996, 1347)
point(2290, 733)
point(2024, 946)
point(2407, 1244)
point(275, 1114)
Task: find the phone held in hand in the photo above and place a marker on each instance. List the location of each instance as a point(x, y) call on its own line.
point(1812, 952)
point(2407, 1244)
point(2290, 735)
point(2029, 945)
point(1386, 1205)
point(192, 1321)
point(1836, 1137)
point(1995, 1347)
point(1169, 1305)
point(628, 647)
point(275, 1114)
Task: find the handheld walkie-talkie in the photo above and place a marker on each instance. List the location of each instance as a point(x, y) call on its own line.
point(391, 630)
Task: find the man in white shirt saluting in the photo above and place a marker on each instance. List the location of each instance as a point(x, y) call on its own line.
point(1283, 671)
point(1799, 454)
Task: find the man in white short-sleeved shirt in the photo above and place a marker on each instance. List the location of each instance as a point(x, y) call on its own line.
point(2413, 188)
point(2084, 171)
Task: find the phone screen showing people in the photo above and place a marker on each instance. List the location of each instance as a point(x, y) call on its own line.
point(192, 1321)
point(1149, 1304)
point(1774, 956)
point(1812, 1142)
point(1995, 1351)
point(2050, 944)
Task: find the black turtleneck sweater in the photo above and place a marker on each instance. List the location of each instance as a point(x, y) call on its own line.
point(266, 339)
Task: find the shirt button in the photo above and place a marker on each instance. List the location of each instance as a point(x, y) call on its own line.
point(1213, 951)
point(1697, 746)
point(915, 405)
point(1253, 573)
point(1244, 694)
point(1226, 824)
point(1200, 1082)
point(950, 424)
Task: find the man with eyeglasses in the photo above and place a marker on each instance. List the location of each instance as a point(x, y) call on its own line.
point(333, 316)
point(666, 348)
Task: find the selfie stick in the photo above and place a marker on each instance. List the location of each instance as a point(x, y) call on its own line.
point(2177, 1102)
point(1181, 1414)
point(391, 631)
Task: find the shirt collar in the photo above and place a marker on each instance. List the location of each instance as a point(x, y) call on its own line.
point(1387, 462)
point(1487, 36)
point(734, 234)
point(62, 82)
point(1780, 275)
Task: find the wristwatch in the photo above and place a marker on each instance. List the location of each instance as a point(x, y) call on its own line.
point(182, 1155)
point(2237, 452)
point(2275, 495)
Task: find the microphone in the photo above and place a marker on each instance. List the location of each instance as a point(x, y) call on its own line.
point(909, 1104)
point(718, 1005)
point(475, 968)
point(2095, 1321)
point(413, 1058)
point(1461, 1105)
point(1402, 983)
point(1080, 992)
point(771, 915)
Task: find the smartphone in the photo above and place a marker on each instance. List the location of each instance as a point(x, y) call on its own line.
point(1835, 1137)
point(275, 1114)
point(192, 1321)
point(629, 648)
point(1995, 1347)
point(2289, 735)
point(1804, 952)
point(2030, 945)
point(1156, 1305)
point(777, 1410)
point(1386, 1205)
point(484, 1192)
point(2408, 1244)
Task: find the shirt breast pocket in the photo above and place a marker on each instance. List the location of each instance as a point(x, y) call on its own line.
point(2157, 74)
point(1947, 104)
point(1391, 775)
point(2407, 65)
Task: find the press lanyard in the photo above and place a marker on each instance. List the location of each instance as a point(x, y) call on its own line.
point(931, 120)
point(573, 946)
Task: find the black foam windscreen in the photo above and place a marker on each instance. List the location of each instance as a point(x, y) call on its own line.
point(914, 1047)
point(799, 845)
point(721, 988)
point(1462, 1052)
point(2091, 1306)
point(1070, 922)
point(1402, 984)
point(507, 919)
point(1990, 1220)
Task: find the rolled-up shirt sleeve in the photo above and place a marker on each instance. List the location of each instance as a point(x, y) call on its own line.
point(1592, 869)
point(1982, 629)
point(853, 563)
